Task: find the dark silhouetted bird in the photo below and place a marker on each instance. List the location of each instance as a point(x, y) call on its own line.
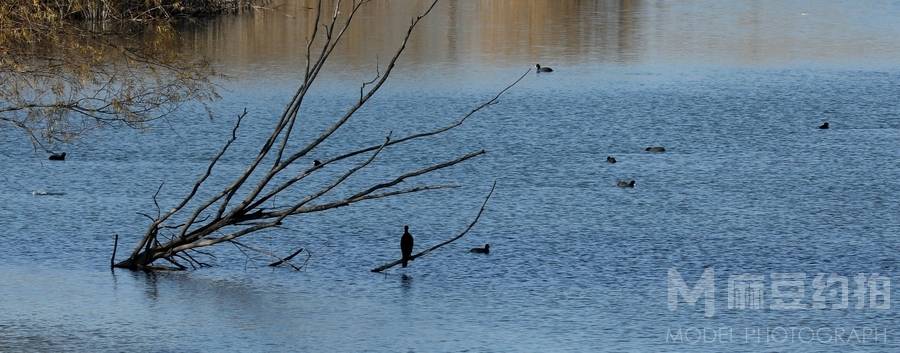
point(824, 125)
point(406, 245)
point(57, 156)
point(542, 69)
point(485, 250)
point(610, 159)
point(657, 149)
point(316, 163)
point(628, 183)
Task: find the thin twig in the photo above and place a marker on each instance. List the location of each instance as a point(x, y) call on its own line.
point(112, 259)
point(286, 259)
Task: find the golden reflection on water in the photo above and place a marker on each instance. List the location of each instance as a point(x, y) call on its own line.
point(491, 32)
point(503, 32)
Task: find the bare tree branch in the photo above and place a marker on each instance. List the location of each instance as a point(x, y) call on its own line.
point(287, 259)
point(448, 241)
point(441, 130)
point(264, 252)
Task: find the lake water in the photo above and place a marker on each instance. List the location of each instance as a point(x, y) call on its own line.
point(748, 185)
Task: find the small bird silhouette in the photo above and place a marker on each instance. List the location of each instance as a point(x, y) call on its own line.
point(485, 250)
point(57, 156)
point(657, 149)
point(824, 125)
point(610, 159)
point(628, 183)
point(406, 245)
point(542, 69)
point(316, 163)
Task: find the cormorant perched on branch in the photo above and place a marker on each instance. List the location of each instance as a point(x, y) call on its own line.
point(406, 245)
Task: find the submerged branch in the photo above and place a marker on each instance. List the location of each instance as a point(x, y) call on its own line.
point(287, 259)
point(448, 241)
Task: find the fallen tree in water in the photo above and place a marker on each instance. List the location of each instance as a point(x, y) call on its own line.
point(243, 207)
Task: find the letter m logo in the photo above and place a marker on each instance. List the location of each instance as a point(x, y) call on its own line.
point(705, 286)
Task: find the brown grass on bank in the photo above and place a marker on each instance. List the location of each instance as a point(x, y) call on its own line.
point(124, 10)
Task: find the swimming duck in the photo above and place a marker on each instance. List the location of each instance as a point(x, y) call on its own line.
point(57, 156)
point(627, 183)
point(317, 163)
point(657, 149)
point(485, 250)
point(824, 125)
point(542, 69)
point(610, 159)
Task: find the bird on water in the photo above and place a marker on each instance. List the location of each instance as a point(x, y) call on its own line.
point(406, 245)
point(57, 156)
point(542, 69)
point(610, 159)
point(485, 250)
point(824, 125)
point(627, 183)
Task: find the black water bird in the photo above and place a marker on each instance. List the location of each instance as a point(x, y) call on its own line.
point(406, 245)
point(628, 183)
point(316, 163)
point(57, 156)
point(542, 69)
point(485, 250)
point(610, 159)
point(824, 125)
point(657, 149)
